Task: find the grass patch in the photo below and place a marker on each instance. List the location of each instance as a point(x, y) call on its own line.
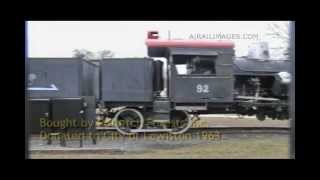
point(235, 148)
point(250, 147)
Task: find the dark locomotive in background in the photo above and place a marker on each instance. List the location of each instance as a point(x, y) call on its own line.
point(128, 90)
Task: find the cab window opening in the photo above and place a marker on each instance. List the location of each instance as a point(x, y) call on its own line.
point(194, 65)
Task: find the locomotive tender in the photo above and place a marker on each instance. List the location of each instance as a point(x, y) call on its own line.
point(202, 77)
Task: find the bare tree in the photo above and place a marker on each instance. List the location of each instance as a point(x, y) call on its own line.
point(83, 54)
point(86, 54)
point(279, 31)
point(105, 54)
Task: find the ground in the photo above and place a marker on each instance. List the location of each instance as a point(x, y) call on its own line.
point(251, 147)
point(223, 146)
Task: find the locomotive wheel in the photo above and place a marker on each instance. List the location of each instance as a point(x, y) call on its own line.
point(127, 119)
point(180, 122)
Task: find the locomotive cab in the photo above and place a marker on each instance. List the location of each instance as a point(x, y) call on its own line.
point(200, 76)
point(199, 73)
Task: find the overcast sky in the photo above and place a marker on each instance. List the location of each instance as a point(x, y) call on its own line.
point(126, 38)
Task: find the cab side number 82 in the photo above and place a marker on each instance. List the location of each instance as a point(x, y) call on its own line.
point(203, 88)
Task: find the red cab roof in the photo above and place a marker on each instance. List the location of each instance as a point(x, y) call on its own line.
point(189, 43)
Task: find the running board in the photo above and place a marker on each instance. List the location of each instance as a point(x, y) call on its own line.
point(256, 98)
point(195, 108)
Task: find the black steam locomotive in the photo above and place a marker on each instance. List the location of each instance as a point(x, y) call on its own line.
point(148, 95)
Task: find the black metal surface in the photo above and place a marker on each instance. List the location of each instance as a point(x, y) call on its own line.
point(90, 110)
point(39, 109)
point(244, 65)
point(61, 109)
point(157, 75)
point(90, 79)
point(162, 106)
point(191, 88)
point(62, 77)
point(185, 89)
point(127, 80)
point(70, 109)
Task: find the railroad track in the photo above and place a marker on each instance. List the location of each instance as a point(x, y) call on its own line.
point(220, 129)
point(245, 130)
